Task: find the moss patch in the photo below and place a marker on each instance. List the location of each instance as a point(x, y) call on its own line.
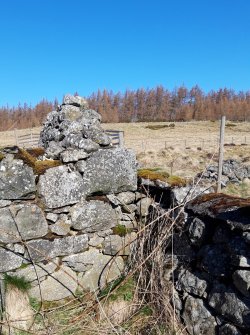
point(153, 174)
point(19, 282)
point(36, 152)
point(39, 167)
point(158, 174)
point(177, 181)
point(121, 230)
point(1, 156)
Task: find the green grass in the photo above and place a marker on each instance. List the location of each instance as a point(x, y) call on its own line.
point(19, 282)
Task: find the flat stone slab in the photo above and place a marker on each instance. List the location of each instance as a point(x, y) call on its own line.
point(9, 260)
point(46, 250)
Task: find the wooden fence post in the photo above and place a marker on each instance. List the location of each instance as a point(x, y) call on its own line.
point(16, 138)
point(121, 138)
point(221, 149)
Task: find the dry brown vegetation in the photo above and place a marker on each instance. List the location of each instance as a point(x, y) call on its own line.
point(182, 150)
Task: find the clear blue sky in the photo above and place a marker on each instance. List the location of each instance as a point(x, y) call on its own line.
point(53, 47)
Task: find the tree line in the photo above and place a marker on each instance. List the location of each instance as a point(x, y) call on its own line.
point(156, 104)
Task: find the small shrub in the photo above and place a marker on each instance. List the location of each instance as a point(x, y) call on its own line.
point(229, 124)
point(19, 282)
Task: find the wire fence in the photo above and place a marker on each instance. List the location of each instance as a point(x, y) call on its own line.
point(143, 145)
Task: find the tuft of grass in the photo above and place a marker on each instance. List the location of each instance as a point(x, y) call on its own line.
point(121, 230)
point(124, 291)
point(39, 167)
point(19, 282)
point(1, 156)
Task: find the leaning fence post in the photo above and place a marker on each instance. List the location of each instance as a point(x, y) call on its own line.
point(222, 131)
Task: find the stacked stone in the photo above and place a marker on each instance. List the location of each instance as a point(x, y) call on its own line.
point(61, 230)
point(212, 256)
point(233, 171)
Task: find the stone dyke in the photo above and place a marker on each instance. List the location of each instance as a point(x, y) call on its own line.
point(210, 257)
point(66, 213)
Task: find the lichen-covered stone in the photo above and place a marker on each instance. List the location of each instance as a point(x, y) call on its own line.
point(4, 203)
point(17, 180)
point(59, 285)
point(73, 155)
point(83, 261)
point(45, 250)
point(60, 187)
point(75, 100)
point(22, 222)
point(9, 260)
point(110, 171)
point(228, 329)
point(92, 216)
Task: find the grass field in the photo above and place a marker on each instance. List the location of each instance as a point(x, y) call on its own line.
point(183, 149)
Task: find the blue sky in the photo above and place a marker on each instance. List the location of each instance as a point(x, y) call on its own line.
point(53, 47)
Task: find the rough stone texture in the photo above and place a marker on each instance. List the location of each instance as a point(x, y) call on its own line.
point(9, 260)
point(143, 206)
point(59, 285)
point(180, 195)
point(214, 260)
point(225, 302)
point(59, 187)
point(73, 155)
point(96, 241)
point(61, 227)
point(30, 221)
point(113, 244)
point(234, 211)
point(37, 271)
point(198, 319)
point(228, 329)
point(46, 250)
point(197, 231)
point(241, 279)
point(22, 222)
point(52, 217)
point(76, 141)
point(96, 134)
point(93, 216)
point(81, 166)
point(111, 171)
point(4, 203)
point(83, 261)
point(17, 180)
point(96, 277)
point(190, 283)
point(75, 100)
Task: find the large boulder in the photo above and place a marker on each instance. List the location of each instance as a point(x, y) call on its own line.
point(110, 171)
point(60, 187)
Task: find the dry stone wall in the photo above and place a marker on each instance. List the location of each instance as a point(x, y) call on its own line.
point(69, 228)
